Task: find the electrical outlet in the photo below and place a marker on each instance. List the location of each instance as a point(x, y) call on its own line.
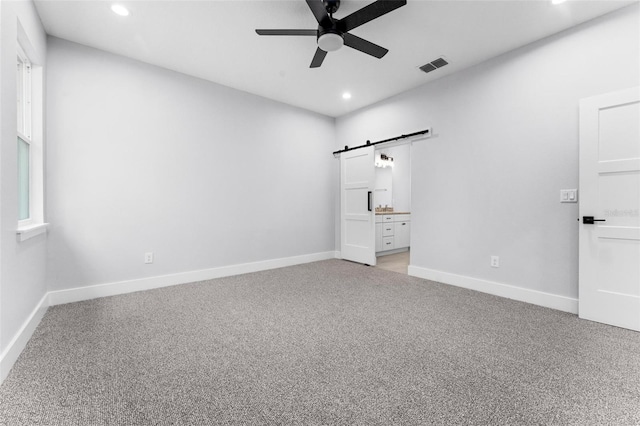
point(148, 257)
point(495, 261)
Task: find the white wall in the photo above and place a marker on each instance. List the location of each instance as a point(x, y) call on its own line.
point(22, 265)
point(144, 159)
point(401, 177)
point(505, 142)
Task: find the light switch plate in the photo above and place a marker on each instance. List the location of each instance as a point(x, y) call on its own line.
point(568, 195)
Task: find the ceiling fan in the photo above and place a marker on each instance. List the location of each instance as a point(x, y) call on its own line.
point(332, 33)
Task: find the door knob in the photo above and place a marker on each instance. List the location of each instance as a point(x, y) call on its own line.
point(589, 220)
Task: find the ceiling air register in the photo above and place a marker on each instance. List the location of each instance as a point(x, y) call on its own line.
point(434, 65)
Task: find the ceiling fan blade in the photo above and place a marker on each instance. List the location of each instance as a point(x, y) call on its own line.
point(364, 46)
point(318, 58)
point(318, 10)
point(288, 32)
point(368, 13)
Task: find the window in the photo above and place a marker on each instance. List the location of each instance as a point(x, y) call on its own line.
point(24, 183)
point(29, 149)
point(23, 95)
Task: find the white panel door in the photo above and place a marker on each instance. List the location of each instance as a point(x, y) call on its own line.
point(378, 236)
point(357, 179)
point(609, 260)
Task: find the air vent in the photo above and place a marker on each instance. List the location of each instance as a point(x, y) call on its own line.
point(440, 62)
point(433, 65)
point(428, 68)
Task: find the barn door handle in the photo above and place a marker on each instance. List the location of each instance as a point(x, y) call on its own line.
point(369, 200)
point(589, 220)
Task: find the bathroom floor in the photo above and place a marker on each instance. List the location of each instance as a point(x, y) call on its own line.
point(394, 262)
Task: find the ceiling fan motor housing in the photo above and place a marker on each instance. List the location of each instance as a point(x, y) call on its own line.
point(330, 39)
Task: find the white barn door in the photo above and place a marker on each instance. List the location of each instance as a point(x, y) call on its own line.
point(357, 215)
point(609, 236)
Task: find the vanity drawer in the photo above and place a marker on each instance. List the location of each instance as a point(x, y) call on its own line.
point(387, 243)
point(387, 229)
point(388, 218)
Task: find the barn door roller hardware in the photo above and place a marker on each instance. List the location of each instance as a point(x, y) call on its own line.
point(369, 143)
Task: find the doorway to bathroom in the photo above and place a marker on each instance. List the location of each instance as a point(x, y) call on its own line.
point(392, 201)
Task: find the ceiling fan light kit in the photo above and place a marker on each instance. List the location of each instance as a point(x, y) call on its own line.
point(332, 33)
point(330, 41)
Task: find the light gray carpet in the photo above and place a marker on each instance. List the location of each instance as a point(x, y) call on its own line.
point(324, 343)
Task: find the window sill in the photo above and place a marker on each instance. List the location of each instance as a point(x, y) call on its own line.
point(30, 231)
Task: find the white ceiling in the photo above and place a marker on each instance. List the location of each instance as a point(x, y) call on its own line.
point(216, 41)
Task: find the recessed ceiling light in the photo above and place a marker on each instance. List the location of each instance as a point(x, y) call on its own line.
point(557, 1)
point(120, 10)
point(346, 95)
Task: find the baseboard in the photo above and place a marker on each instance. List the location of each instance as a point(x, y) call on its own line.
point(19, 341)
point(548, 300)
point(79, 294)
